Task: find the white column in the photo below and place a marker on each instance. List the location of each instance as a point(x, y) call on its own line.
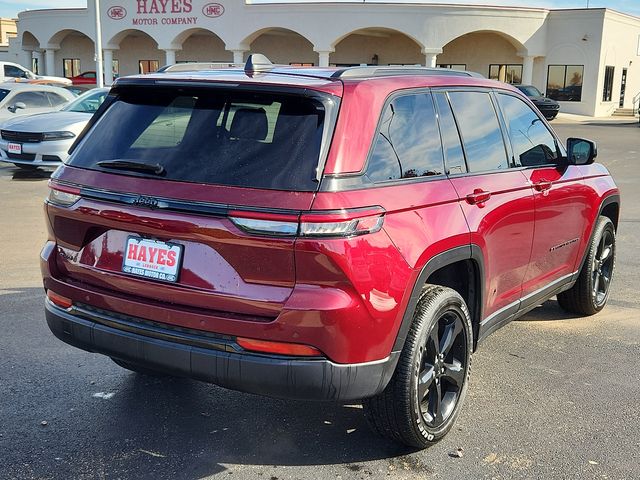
point(238, 56)
point(430, 56)
point(26, 58)
point(37, 55)
point(170, 56)
point(527, 70)
point(50, 55)
point(323, 58)
point(107, 56)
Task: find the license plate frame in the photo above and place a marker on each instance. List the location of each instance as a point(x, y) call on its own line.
point(15, 148)
point(160, 267)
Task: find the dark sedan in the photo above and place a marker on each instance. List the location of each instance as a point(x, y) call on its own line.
point(548, 107)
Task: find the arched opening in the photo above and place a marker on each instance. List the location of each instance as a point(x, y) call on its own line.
point(31, 44)
point(29, 41)
point(283, 46)
point(200, 45)
point(137, 52)
point(492, 54)
point(75, 55)
point(377, 46)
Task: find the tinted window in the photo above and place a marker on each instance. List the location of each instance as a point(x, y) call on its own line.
point(453, 153)
point(12, 71)
point(532, 143)
point(216, 136)
point(408, 141)
point(32, 99)
point(88, 102)
point(480, 131)
point(4, 93)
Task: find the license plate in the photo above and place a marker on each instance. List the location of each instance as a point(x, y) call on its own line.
point(15, 148)
point(152, 259)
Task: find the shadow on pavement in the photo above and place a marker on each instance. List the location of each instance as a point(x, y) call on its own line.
point(24, 174)
point(548, 312)
point(153, 427)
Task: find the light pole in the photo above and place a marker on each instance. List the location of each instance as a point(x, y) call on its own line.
point(99, 63)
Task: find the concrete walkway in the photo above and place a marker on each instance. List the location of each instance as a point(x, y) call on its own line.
point(582, 119)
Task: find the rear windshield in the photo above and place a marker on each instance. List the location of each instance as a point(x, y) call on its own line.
point(211, 135)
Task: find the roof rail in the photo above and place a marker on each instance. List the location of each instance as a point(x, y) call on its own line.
point(390, 71)
point(193, 67)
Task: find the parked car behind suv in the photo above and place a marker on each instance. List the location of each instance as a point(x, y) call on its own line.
point(43, 140)
point(325, 234)
point(547, 106)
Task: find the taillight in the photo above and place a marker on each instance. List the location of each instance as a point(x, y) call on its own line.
point(62, 195)
point(59, 300)
point(279, 348)
point(342, 223)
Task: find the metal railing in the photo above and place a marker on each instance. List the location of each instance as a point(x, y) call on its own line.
point(636, 104)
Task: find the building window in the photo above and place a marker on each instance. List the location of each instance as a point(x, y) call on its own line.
point(301, 64)
point(506, 73)
point(35, 68)
point(148, 66)
point(71, 67)
point(564, 82)
point(115, 68)
point(453, 66)
point(607, 92)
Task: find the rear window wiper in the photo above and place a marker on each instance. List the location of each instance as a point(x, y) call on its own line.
point(153, 168)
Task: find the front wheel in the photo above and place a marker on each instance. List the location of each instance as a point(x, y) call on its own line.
point(423, 398)
point(590, 293)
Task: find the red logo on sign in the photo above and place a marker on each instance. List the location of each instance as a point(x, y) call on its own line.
point(212, 10)
point(117, 13)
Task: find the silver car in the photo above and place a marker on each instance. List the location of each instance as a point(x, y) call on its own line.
point(44, 140)
point(17, 99)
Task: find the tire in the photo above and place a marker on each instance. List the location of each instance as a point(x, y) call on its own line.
point(420, 405)
point(134, 367)
point(591, 291)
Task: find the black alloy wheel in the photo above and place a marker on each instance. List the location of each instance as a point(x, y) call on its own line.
point(442, 369)
point(591, 290)
point(422, 400)
point(602, 268)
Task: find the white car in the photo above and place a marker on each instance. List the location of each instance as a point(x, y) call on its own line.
point(17, 99)
point(44, 140)
point(12, 72)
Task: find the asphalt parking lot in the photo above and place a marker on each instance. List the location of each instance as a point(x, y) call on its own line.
point(551, 396)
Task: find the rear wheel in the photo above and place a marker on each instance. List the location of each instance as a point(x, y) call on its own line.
point(590, 293)
point(421, 402)
point(134, 367)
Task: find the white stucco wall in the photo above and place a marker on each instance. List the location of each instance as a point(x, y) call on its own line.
point(346, 33)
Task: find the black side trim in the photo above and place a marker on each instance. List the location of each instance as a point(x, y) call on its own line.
point(465, 252)
point(524, 305)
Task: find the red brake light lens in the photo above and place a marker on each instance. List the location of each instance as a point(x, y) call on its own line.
point(59, 300)
point(279, 348)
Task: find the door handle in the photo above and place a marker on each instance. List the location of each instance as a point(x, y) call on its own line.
point(542, 185)
point(478, 197)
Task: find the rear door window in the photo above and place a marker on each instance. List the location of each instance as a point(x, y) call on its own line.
point(407, 144)
point(212, 135)
point(531, 141)
point(480, 130)
point(453, 152)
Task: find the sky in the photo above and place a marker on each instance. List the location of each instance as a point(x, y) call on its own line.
point(10, 8)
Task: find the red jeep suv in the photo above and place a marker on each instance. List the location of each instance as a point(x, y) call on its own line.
point(326, 234)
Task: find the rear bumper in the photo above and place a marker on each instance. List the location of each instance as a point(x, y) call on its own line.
point(218, 360)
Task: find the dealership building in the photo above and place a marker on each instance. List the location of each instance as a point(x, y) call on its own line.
point(588, 59)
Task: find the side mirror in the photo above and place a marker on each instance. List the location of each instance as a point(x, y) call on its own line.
point(581, 151)
point(18, 105)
